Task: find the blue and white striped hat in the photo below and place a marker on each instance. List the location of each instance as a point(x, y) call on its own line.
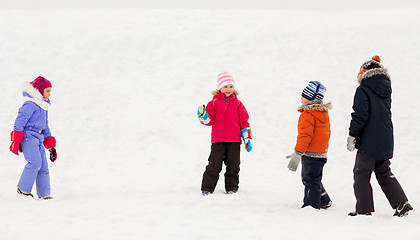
point(314, 90)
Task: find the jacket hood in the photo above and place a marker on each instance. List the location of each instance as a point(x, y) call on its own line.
point(32, 94)
point(377, 80)
point(317, 109)
point(222, 96)
point(315, 105)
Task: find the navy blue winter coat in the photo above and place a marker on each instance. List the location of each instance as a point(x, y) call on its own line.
point(371, 121)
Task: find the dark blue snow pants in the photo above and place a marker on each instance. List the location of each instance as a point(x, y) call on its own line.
point(315, 193)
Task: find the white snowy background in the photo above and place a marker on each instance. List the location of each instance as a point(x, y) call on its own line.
point(131, 152)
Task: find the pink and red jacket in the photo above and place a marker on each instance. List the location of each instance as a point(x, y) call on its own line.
point(227, 117)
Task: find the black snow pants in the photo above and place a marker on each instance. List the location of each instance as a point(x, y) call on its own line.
point(362, 171)
point(229, 153)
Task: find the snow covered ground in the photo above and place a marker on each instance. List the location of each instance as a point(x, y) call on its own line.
point(126, 85)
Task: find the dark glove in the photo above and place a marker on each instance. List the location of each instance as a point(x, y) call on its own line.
point(53, 154)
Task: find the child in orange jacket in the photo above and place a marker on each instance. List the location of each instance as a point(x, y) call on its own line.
point(312, 145)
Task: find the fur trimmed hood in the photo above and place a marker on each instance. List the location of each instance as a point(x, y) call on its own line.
point(373, 72)
point(316, 105)
point(32, 94)
point(378, 80)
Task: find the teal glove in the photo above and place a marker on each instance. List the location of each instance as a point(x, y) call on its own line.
point(247, 138)
point(202, 115)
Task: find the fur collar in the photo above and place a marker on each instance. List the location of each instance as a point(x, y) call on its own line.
point(315, 105)
point(32, 94)
point(373, 72)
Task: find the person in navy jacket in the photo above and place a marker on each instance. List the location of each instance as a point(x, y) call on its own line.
point(371, 133)
point(30, 135)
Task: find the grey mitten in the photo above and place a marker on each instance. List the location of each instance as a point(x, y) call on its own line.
point(295, 159)
point(351, 143)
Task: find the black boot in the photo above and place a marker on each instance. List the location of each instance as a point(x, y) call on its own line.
point(326, 206)
point(46, 197)
point(403, 209)
point(24, 193)
point(352, 214)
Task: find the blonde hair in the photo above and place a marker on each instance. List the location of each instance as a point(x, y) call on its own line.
point(215, 92)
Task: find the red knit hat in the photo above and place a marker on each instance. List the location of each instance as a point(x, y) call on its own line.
point(41, 83)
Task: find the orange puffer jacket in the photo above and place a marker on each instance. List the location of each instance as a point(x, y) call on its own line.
point(313, 128)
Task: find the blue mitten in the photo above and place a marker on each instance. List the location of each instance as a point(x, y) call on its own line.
point(247, 138)
point(202, 115)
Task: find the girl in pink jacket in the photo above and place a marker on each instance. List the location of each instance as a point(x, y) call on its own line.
point(229, 120)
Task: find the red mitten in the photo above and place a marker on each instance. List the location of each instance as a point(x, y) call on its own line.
point(16, 138)
point(49, 142)
point(14, 148)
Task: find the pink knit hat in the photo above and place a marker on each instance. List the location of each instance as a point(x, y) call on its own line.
point(224, 79)
point(41, 83)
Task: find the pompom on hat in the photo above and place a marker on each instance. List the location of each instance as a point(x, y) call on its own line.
point(375, 62)
point(314, 91)
point(224, 79)
point(40, 83)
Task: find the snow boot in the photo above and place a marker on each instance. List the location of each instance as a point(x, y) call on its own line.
point(24, 193)
point(205, 193)
point(352, 214)
point(326, 206)
point(231, 191)
point(46, 197)
point(403, 209)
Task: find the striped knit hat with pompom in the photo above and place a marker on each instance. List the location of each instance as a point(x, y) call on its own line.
point(314, 91)
point(224, 79)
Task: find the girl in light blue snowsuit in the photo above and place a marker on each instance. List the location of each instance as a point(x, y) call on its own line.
point(30, 135)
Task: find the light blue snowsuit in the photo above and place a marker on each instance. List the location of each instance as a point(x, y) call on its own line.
point(32, 120)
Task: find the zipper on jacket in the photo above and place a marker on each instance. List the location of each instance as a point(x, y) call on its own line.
point(226, 120)
point(45, 120)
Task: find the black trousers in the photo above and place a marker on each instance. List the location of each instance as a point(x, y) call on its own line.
point(362, 171)
point(315, 194)
point(229, 153)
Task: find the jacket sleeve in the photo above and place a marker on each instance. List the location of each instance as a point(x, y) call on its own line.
point(210, 109)
point(46, 132)
point(243, 116)
point(25, 113)
point(306, 127)
point(360, 114)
